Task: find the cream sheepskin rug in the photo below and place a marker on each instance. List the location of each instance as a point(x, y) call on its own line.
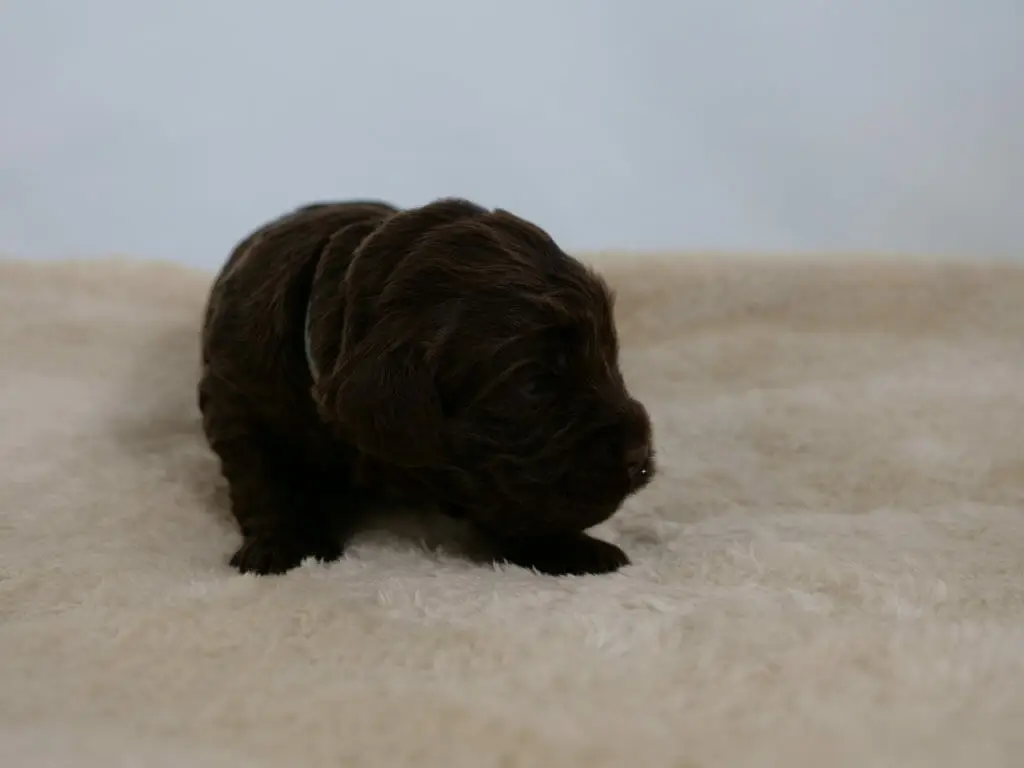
point(829, 570)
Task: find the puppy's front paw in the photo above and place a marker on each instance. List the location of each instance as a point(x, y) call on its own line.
point(265, 555)
point(566, 555)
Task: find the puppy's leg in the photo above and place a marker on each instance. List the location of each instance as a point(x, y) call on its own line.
point(282, 519)
point(572, 554)
point(284, 511)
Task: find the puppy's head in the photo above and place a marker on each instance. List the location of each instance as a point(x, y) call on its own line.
point(480, 357)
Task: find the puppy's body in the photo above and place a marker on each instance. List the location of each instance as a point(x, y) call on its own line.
point(448, 353)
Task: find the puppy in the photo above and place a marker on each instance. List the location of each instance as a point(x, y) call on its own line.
point(452, 355)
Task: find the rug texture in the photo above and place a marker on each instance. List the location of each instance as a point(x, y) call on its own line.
point(828, 571)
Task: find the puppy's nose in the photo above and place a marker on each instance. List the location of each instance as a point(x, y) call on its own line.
point(638, 461)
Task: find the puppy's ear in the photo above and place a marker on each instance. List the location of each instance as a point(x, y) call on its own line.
point(381, 391)
point(383, 396)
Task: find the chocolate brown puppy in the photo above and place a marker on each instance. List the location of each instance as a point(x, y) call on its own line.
point(450, 354)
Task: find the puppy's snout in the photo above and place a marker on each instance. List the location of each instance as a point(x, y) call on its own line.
point(638, 461)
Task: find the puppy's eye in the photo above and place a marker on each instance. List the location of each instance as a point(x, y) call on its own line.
point(559, 343)
point(561, 360)
point(538, 385)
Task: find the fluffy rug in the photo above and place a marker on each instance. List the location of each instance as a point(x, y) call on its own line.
point(828, 571)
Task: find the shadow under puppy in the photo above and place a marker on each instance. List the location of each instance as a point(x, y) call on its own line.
point(449, 354)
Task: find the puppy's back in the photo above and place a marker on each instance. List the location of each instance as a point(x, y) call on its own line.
point(258, 299)
point(281, 248)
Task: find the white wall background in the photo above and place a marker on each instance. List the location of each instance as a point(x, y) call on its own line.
point(169, 129)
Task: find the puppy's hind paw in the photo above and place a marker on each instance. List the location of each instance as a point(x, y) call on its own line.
point(265, 555)
point(565, 555)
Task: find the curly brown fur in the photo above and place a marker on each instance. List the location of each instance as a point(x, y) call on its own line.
point(458, 357)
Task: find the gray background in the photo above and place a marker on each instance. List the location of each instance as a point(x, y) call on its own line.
point(169, 129)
